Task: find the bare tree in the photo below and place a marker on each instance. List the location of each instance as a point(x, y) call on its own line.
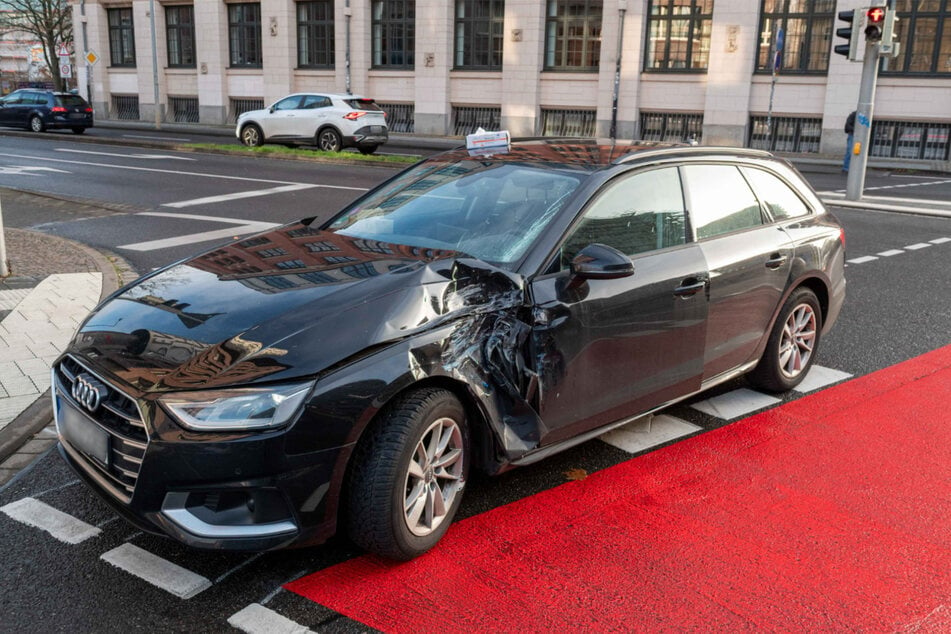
point(50, 21)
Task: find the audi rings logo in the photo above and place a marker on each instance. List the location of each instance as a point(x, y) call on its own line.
point(88, 392)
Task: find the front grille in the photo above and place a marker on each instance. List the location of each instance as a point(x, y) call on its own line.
point(120, 417)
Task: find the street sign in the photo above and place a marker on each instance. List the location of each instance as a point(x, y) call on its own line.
point(91, 58)
point(65, 70)
point(62, 49)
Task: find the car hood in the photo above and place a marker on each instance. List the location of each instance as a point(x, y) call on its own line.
point(289, 303)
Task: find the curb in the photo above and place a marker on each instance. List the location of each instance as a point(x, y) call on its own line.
point(39, 414)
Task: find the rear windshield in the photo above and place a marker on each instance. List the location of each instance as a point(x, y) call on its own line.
point(70, 101)
point(363, 104)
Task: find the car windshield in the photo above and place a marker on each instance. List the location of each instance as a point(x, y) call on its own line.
point(488, 210)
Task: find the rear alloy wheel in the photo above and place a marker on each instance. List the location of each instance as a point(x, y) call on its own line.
point(36, 124)
point(252, 136)
point(409, 474)
point(792, 344)
point(329, 140)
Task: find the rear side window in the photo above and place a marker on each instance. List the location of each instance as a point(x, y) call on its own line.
point(363, 104)
point(634, 214)
point(781, 200)
point(720, 200)
point(36, 98)
point(312, 102)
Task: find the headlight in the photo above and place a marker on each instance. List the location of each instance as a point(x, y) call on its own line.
point(239, 409)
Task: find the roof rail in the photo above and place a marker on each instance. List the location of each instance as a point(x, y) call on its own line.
point(689, 149)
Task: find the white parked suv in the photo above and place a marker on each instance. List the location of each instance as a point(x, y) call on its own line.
point(331, 122)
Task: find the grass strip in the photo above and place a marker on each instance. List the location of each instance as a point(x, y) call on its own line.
point(279, 150)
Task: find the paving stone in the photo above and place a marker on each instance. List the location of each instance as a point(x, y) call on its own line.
point(18, 461)
point(32, 366)
point(18, 386)
point(37, 445)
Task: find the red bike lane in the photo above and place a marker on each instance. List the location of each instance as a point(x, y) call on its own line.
point(829, 513)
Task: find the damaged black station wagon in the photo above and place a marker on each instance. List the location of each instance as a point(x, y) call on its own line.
point(473, 312)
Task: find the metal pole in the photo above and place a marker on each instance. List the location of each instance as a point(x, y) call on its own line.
point(622, 8)
point(347, 12)
point(82, 13)
point(155, 83)
point(4, 270)
point(863, 123)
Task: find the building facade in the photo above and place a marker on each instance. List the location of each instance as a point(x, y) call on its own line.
point(679, 69)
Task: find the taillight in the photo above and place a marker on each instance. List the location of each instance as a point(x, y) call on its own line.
point(353, 116)
point(842, 236)
point(89, 110)
point(58, 109)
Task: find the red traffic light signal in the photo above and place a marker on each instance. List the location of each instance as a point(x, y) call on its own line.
point(875, 15)
point(875, 20)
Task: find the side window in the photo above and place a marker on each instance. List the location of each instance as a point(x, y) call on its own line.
point(633, 214)
point(720, 200)
point(782, 201)
point(290, 103)
point(312, 102)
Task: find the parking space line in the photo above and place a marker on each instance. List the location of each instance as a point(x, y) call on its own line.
point(730, 405)
point(862, 260)
point(890, 253)
point(940, 240)
point(647, 432)
point(819, 377)
point(62, 526)
point(915, 247)
point(159, 572)
point(257, 619)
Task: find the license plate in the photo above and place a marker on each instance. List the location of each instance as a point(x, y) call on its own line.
point(77, 115)
point(81, 432)
point(376, 129)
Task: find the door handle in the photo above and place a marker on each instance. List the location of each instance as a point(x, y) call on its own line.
point(690, 286)
point(776, 260)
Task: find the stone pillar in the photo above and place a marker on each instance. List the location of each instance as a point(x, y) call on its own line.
point(211, 56)
point(279, 47)
point(522, 60)
point(433, 61)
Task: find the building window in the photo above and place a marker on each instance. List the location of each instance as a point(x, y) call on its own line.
point(244, 34)
point(394, 33)
point(924, 30)
point(479, 25)
point(677, 127)
point(573, 35)
point(807, 33)
point(315, 34)
point(568, 122)
point(468, 119)
point(785, 134)
point(678, 35)
point(929, 141)
point(121, 37)
point(180, 35)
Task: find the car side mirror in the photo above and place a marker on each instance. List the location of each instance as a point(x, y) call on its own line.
point(601, 262)
point(271, 109)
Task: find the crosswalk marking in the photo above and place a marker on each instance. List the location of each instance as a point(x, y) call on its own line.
point(257, 619)
point(647, 432)
point(62, 526)
point(159, 572)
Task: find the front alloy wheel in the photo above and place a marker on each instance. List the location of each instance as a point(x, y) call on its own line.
point(408, 474)
point(252, 136)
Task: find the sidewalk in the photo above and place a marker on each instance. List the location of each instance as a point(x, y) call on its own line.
point(53, 285)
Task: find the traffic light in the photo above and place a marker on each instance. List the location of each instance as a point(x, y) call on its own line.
point(875, 17)
point(889, 36)
point(851, 33)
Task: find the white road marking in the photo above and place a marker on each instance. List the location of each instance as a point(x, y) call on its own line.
point(648, 432)
point(161, 138)
point(819, 377)
point(890, 253)
point(257, 619)
point(26, 170)
point(862, 260)
point(62, 526)
point(180, 173)
point(137, 156)
point(237, 196)
point(165, 243)
point(736, 403)
point(939, 240)
point(159, 572)
point(919, 245)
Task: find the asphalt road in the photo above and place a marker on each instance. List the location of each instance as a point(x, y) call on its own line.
point(897, 308)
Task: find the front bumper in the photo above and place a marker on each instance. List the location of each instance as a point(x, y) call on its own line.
point(214, 491)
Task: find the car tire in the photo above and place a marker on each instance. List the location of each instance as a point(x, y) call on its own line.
point(36, 124)
point(329, 140)
point(252, 136)
point(78, 130)
point(408, 475)
point(368, 149)
point(792, 345)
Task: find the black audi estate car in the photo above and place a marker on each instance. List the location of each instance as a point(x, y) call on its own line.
point(472, 312)
point(40, 110)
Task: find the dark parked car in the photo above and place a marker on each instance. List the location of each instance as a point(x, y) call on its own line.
point(40, 110)
point(471, 312)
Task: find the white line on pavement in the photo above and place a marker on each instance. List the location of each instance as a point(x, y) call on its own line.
point(137, 156)
point(192, 238)
point(181, 173)
point(161, 138)
point(736, 403)
point(647, 432)
point(862, 260)
point(890, 253)
point(257, 619)
point(62, 526)
point(159, 572)
point(819, 377)
point(939, 240)
point(237, 196)
point(916, 246)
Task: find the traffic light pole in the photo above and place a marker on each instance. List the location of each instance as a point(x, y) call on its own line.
point(863, 123)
